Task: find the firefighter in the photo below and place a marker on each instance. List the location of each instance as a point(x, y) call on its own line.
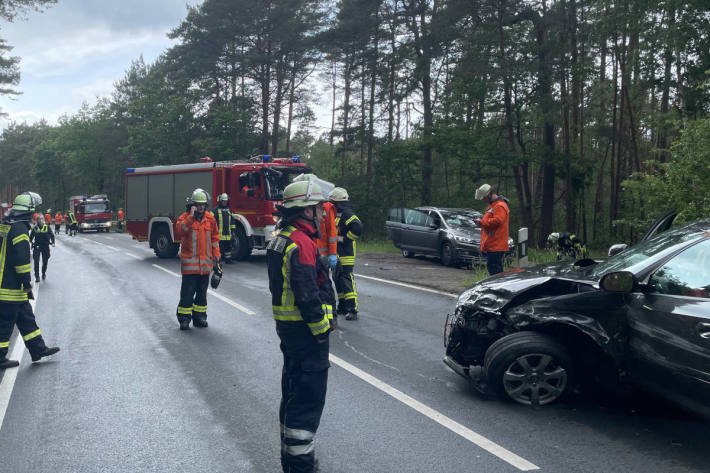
point(34, 218)
point(41, 237)
point(120, 219)
point(302, 323)
point(567, 245)
point(226, 225)
point(199, 255)
point(326, 240)
point(48, 217)
point(71, 225)
point(57, 222)
point(349, 231)
point(494, 228)
point(15, 282)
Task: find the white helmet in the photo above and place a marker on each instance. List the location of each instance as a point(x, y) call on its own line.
point(338, 195)
point(483, 191)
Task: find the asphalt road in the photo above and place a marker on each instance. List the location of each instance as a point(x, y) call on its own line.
point(129, 392)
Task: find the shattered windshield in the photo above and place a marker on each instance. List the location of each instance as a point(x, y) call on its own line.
point(460, 219)
point(639, 256)
point(277, 178)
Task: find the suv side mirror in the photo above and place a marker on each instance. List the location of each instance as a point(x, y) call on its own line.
point(616, 249)
point(620, 281)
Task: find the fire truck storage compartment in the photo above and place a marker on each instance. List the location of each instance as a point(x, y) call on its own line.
point(162, 195)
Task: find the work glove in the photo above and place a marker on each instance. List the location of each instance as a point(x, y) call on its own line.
point(217, 268)
point(333, 261)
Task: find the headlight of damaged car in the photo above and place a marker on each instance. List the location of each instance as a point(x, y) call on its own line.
point(463, 239)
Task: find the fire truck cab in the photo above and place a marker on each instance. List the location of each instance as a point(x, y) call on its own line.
point(92, 213)
point(156, 197)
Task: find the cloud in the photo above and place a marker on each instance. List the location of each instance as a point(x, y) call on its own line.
point(55, 58)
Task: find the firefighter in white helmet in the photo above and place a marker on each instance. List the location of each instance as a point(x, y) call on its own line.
point(302, 322)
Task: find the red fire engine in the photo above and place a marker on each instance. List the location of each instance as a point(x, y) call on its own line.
point(92, 213)
point(156, 197)
point(4, 209)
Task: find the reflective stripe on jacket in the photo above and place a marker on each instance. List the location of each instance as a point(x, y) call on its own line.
point(328, 242)
point(494, 227)
point(199, 243)
point(293, 280)
point(14, 262)
point(350, 228)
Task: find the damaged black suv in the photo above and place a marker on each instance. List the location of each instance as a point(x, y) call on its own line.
point(642, 316)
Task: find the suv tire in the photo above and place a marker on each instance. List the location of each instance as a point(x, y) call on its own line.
point(529, 368)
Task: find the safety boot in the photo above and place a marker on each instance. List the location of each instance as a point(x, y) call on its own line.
point(44, 276)
point(46, 352)
point(199, 322)
point(352, 315)
point(5, 363)
point(184, 324)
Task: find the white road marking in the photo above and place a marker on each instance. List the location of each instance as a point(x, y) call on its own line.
point(166, 270)
point(477, 439)
point(229, 301)
point(10, 375)
point(134, 256)
point(411, 286)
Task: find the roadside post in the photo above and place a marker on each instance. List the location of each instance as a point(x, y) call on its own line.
point(523, 248)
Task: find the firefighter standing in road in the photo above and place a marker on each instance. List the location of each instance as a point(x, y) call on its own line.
point(199, 255)
point(41, 237)
point(120, 220)
point(494, 228)
point(48, 217)
point(327, 242)
point(57, 222)
point(349, 231)
point(15, 282)
point(302, 323)
point(71, 224)
point(226, 225)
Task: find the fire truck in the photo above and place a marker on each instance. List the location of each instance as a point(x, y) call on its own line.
point(4, 209)
point(92, 213)
point(156, 196)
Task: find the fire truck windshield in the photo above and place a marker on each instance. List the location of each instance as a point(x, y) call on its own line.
point(95, 208)
point(277, 178)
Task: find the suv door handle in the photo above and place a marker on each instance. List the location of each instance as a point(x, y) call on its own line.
point(704, 330)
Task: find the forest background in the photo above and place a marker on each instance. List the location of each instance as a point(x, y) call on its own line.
point(591, 116)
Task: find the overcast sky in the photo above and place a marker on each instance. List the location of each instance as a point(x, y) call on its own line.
point(75, 51)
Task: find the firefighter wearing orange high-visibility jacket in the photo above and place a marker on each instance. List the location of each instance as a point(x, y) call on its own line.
point(199, 256)
point(57, 222)
point(349, 231)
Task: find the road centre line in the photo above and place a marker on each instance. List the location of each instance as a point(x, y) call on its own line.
point(134, 256)
point(473, 437)
point(234, 304)
point(10, 375)
point(411, 286)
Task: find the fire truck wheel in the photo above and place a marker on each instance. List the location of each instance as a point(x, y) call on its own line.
point(162, 243)
point(240, 245)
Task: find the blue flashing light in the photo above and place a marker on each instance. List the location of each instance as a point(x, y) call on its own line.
point(266, 158)
point(296, 159)
point(130, 170)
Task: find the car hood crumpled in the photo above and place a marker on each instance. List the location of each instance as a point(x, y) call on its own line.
point(494, 293)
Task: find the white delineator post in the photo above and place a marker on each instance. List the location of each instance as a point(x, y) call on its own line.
point(523, 248)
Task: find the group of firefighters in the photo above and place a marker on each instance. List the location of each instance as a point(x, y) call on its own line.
point(315, 240)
